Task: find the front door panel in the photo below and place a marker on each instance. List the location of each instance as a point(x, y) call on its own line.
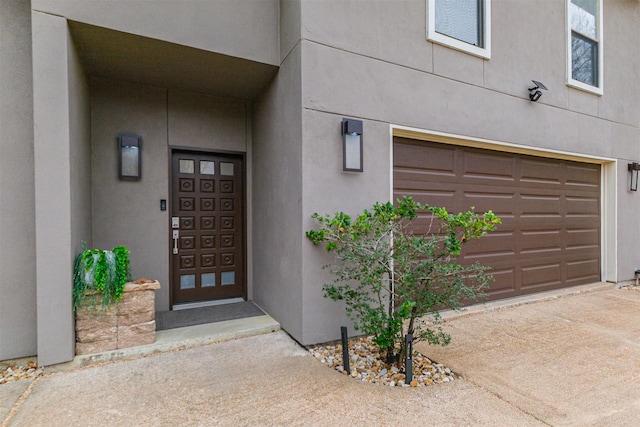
point(207, 226)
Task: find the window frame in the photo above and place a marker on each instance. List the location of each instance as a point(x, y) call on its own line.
point(598, 90)
point(442, 39)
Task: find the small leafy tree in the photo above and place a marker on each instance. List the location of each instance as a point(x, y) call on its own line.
point(395, 282)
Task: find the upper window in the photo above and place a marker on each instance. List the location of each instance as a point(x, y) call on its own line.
point(461, 24)
point(585, 45)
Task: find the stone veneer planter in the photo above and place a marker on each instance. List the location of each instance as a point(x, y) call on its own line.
point(130, 322)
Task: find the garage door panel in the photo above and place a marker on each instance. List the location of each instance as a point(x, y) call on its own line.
point(550, 211)
point(423, 175)
point(582, 205)
point(502, 284)
point(418, 194)
point(584, 176)
point(577, 270)
point(483, 202)
point(434, 198)
point(586, 253)
point(475, 167)
point(494, 259)
point(583, 223)
point(438, 161)
point(528, 223)
point(581, 237)
point(536, 173)
point(541, 275)
point(501, 243)
point(540, 205)
point(551, 256)
point(538, 241)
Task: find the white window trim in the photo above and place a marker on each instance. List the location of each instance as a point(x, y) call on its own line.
point(435, 37)
point(577, 83)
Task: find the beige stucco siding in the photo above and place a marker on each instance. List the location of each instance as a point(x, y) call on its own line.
point(17, 199)
point(59, 129)
point(327, 189)
point(277, 197)
point(245, 29)
point(381, 91)
point(128, 212)
point(392, 31)
point(202, 121)
point(522, 49)
point(79, 152)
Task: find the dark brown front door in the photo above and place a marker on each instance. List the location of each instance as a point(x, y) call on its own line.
point(207, 226)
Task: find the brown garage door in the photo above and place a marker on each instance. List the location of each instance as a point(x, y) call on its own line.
point(550, 210)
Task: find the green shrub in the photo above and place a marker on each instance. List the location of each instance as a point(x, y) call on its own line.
point(100, 274)
point(394, 282)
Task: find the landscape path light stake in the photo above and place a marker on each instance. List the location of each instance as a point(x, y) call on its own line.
point(408, 362)
point(345, 349)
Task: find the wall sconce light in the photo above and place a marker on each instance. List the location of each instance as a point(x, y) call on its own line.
point(129, 157)
point(352, 145)
point(534, 93)
point(634, 168)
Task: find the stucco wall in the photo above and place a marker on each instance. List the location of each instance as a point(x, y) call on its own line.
point(382, 91)
point(289, 26)
point(61, 130)
point(371, 60)
point(79, 152)
point(327, 189)
point(277, 197)
point(203, 121)
point(17, 200)
point(128, 212)
point(522, 49)
point(245, 29)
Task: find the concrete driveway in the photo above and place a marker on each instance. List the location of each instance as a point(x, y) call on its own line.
point(568, 361)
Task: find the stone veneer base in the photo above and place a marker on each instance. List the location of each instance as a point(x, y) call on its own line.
point(130, 322)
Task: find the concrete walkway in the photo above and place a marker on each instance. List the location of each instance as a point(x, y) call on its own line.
point(566, 361)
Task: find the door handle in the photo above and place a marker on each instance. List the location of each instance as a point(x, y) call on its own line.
point(176, 235)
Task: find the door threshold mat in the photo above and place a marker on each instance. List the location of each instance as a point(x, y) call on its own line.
point(172, 319)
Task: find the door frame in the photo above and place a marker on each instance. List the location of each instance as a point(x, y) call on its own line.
point(194, 150)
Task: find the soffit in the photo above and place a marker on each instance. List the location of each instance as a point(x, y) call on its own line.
point(123, 56)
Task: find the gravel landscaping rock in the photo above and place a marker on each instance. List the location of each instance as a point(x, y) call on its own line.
point(367, 366)
point(19, 372)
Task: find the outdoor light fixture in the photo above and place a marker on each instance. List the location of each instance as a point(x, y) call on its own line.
point(129, 157)
point(634, 168)
point(352, 145)
point(534, 92)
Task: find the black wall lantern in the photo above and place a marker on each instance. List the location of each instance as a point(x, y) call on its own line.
point(352, 145)
point(634, 168)
point(129, 157)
